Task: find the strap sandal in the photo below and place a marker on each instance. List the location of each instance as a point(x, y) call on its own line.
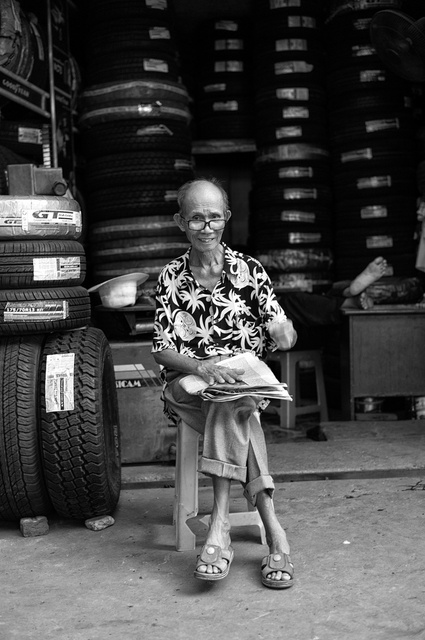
point(212, 554)
point(277, 562)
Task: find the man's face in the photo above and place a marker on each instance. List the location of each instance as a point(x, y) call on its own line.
point(204, 203)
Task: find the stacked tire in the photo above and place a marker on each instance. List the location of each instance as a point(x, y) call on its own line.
point(224, 101)
point(372, 147)
point(290, 220)
point(135, 130)
point(59, 437)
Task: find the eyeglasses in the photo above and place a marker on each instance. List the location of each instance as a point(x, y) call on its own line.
point(199, 225)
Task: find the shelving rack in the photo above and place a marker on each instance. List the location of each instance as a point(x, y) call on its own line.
point(56, 103)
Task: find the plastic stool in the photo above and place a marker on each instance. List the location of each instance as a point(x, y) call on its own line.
point(289, 370)
point(186, 492)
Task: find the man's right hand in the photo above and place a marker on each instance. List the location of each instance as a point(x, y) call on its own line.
point(213, 373)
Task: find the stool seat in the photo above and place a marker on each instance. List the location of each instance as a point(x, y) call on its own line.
point(186, 492)
point(289, 372)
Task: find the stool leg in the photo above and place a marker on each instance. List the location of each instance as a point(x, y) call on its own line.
point(321, 391)
point(186, 486)
point(291, 380)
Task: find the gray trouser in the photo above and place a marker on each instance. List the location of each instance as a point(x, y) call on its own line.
point(234, 444)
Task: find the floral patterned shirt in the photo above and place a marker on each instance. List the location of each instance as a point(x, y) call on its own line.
point(200, 323)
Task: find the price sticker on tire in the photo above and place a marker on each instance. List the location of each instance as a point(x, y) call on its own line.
point(59, 387)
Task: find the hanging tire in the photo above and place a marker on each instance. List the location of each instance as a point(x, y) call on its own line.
point(42, 263)
point(80, 440)
point(26, 311)
point(23, 493)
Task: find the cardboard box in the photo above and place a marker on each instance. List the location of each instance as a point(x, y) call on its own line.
point(146, 433)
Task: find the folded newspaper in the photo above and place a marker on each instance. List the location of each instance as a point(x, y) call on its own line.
point(257, 380)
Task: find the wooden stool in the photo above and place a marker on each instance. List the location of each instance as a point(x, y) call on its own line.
point(186, 492)
point(289, 373)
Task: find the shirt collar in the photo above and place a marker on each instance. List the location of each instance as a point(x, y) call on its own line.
point(229, 260)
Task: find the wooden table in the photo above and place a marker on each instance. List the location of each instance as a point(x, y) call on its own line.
point(382, 353)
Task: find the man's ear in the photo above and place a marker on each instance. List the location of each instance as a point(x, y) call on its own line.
point(228, 215)
point(177, 220)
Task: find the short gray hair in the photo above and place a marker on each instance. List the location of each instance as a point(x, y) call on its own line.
point(187, 186)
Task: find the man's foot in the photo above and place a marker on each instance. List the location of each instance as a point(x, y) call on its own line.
point(211, 562)
point(374, 270)
point(363, 301)
point(277, 571)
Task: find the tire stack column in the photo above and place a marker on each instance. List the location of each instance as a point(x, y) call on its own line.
point(136, 138)
point(290, 221)
point(372, 147)
point(224, 100)
point(59, 431)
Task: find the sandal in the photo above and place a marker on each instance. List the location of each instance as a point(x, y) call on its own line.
point(215, 555)
point(277, 562)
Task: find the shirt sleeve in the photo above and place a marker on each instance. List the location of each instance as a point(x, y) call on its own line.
point(164, 336)
point(270, 308)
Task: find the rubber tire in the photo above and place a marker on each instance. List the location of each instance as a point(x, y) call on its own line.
point(23, 493)
point(139, 248)
point(130, 227)
point(17, 263)
point(58, 219)
point(77, 299)
point(81, 447)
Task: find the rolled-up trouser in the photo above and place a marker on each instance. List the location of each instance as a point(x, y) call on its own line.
point(234, 445)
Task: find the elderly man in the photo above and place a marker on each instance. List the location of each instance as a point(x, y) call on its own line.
point(212, 303)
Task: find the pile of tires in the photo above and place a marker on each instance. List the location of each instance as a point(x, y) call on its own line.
point(224, 97)
point(135, 133)
point(290, 223)
point(372, 146)
point(59, 430)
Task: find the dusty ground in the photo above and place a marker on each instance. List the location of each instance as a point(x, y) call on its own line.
point(358, 548)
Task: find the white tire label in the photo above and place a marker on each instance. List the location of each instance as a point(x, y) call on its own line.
point(59, 388)
point(57, 268)
point(34, 221)
point(36, 311)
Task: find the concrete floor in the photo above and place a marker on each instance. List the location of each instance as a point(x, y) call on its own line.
point(358, 546)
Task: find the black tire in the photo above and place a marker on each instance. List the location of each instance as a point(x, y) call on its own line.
point(110, 270)
point(167, 109)
point(26, 311)
point(311, 282)
point(81, 446)
point(296, 260)
point(30, 145)
point(139, 248)
point(37, 217)
point(129, 227)
point(42, 263)
point(145, 91)
point(105, 203)
point(295, 151)
point(155, 65)
point(23, 493)
point(138, 168)
point(123, 136)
